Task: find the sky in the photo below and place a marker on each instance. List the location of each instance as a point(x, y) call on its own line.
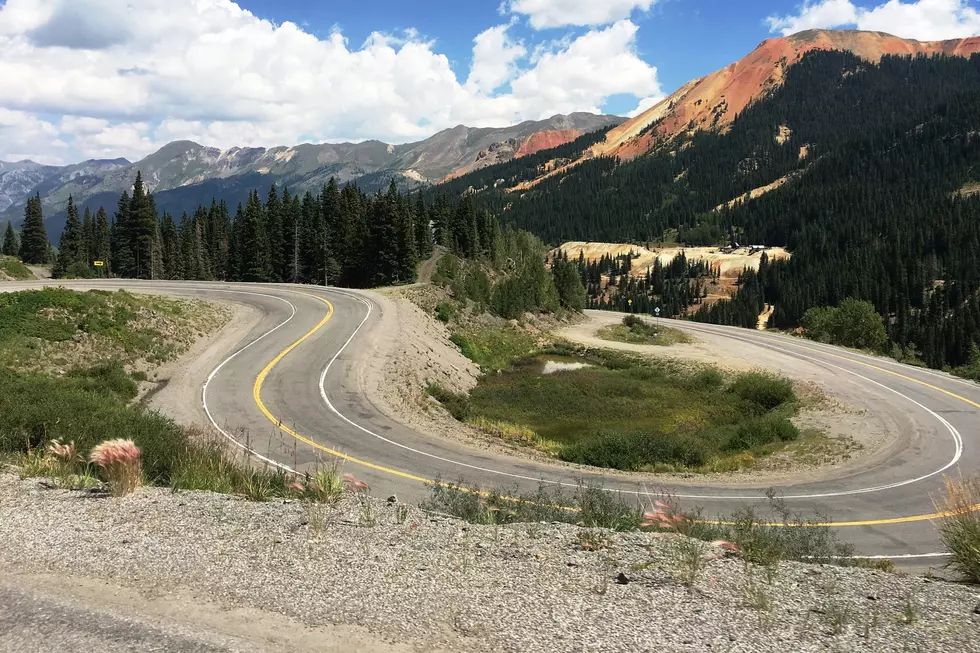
point(88, 79)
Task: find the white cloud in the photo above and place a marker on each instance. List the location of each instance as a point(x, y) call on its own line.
point(560, 13)
point(925, 20)
point(144, 74)
point(495, 58)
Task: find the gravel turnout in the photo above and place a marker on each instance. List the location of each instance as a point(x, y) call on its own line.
point(414, 580)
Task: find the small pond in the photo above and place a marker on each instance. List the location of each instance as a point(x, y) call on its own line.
point(551, 364)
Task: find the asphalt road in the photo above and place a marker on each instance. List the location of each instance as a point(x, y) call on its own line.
point(291, 391)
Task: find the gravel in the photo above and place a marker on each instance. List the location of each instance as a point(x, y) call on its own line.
point(436, 583)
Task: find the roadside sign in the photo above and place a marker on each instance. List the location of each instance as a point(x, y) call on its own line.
point(98, 264)
point(657, 311)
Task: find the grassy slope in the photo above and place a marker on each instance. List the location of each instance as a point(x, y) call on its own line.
point(56, 330)
point(14, 269)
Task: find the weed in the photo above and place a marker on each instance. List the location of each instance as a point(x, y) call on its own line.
point(757, 597)
point(445, 311)
point(317, 517)
point(365, 508)
point(257, 486)
point(593, 540)
point(959, 527)
point(120, 463)
point(401, 513)
point(690, 559)
point(910, 613)
point(837, 616)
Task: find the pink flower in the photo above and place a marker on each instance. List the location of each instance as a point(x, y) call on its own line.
point(120, 463)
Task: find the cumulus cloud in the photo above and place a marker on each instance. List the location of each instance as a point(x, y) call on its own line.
point(925, 20)
point(495, 58)
point(158, 70)
point(544, 14)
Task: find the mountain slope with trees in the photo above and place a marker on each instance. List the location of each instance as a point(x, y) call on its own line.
point(874, 156)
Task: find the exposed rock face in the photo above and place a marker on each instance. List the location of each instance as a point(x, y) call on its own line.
point(545, 140)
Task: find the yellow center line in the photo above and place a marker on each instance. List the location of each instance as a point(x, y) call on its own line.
point(260, 379)
point(257, 396)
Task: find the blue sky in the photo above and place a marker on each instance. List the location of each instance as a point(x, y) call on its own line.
point(121, 78)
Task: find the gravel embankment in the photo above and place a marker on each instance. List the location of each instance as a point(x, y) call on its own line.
point(435, 583)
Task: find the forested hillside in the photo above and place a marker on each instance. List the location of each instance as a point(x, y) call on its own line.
point(874, 156)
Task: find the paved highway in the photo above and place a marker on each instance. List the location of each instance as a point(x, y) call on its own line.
point(292, 391)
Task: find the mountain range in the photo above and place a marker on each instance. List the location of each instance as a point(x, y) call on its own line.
point(183, 174)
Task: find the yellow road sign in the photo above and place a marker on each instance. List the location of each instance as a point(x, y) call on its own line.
point(98, 264)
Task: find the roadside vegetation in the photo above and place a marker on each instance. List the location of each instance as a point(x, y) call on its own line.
point(11, 269)
point(761, 537)
point(960, 524)
point(636, 331)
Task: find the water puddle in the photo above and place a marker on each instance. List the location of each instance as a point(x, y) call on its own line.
point(552, 364)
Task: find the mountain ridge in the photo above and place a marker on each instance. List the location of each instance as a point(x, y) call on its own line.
point(713, 101)
point(185, 164)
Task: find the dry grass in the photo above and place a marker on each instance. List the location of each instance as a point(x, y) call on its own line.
point(959, 527)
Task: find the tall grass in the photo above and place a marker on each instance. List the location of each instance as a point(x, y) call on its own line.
point(959, 527)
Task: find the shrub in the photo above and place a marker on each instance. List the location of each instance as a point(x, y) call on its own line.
point(854, 323)
point(759, 432)
point(959, 527)
point(120, 464)
point(634, 451)
point(445, 311)
point(457, 404)
point(764, 390)
point(632, 321)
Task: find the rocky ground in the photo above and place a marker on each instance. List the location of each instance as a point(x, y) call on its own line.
point(214, 573)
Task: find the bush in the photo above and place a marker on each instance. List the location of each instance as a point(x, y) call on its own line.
point(764, 390)
point(107, 379)
point(445, 311)
point(635, 451)
point(457, 404)
point(854, 323)
point(760, 431)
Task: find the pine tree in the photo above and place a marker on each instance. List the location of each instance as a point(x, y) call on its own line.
point(123, 256)
point(88, 235)
point(144, 225)
point(423, 231)
point(34, 246)
point(11, 247)
point(407, 268)
point(102, 242)
point(173, 263)
point(71, 247)
point(274, 229)
point(256, 265)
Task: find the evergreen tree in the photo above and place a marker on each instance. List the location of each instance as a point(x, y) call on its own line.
point(143, 224)
point(274, 227)
point(34, 246)
point(256, 263)
point(123, 257)
point(11, 247)
point(88, 233)
point(171, 245)
point(102, 242)
point(71, 247)
point(423, 231)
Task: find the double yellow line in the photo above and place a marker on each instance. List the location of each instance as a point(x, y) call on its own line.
point(260, 379)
